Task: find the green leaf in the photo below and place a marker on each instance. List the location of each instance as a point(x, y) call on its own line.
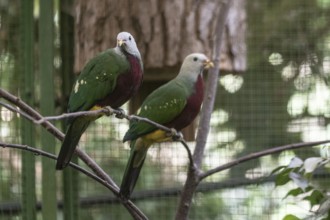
point(291, 217)
point(314, 198)
point(283, 177)
point(277, 169)
point(294, 192)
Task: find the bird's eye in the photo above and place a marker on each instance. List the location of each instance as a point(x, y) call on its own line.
point(129, 38)
point(195, 59)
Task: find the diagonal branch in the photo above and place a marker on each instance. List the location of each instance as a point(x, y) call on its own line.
point(256, 155)
point(18, 111)
point(36, 116)
point(136, 213)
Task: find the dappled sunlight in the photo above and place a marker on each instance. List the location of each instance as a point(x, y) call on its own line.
point(289, 71)
point(297, 104)
point(319, 99)
point(231, 83)
point(275, 59)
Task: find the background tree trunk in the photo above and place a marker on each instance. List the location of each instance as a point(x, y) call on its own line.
point(165, 31)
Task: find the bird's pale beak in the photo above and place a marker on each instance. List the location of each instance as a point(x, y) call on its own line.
point(208, 64)
point(120, 42)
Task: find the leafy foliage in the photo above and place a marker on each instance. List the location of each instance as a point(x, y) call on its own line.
point(300, 172)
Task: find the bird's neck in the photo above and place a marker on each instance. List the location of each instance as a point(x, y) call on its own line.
point(189, 78)
point(128, 55)
point(191, 82)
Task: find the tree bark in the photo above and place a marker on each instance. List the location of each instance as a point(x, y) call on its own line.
point(165, 31)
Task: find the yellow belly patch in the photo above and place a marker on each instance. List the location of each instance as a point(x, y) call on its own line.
point(95, 107)
point(156, 136)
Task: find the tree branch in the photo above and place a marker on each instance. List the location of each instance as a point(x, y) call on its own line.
point(204, 124)
point(119, 113)
point(176, 136)
point(135, 212)
point(256, 155)
point(37, 118)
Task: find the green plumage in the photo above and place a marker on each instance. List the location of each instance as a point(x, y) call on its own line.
point(161, 106)
point(97, 80)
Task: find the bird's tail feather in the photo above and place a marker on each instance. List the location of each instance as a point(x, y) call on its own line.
point(74, 131)
point(133, 169)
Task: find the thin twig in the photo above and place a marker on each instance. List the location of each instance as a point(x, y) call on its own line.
point(259, 154)
point(113, 189)
point(98, 112)
point(13, 109)
point(190, 156)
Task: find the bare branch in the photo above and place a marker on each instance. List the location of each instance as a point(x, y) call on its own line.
point(190, 156)
point(204, 124)
point(136, 213)
point(36, 116)
point(256, 155)
point(59, 135)
point(98, 112)
point(13, 109)
point(109, 111)
point(176, 136)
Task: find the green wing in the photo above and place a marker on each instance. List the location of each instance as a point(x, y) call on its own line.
point(161, 106)
point(97, 80)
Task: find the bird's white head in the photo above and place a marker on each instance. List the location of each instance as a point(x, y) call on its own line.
point(126, 42)
point(194, 64)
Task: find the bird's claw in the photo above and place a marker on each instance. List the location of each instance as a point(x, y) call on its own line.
point(120, 114)
point(176, 135)
point(109, 111)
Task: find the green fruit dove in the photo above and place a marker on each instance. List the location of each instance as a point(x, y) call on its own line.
point(175, 105)
point(111, 78)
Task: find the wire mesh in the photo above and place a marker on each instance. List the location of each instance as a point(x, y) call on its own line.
point(282, 98)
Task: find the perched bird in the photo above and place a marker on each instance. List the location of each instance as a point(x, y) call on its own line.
point(108, 79)
point(175, 105)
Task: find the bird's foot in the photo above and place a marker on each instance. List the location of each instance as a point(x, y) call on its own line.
point(120, 113)
point(109, 111)
point(176, 135)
